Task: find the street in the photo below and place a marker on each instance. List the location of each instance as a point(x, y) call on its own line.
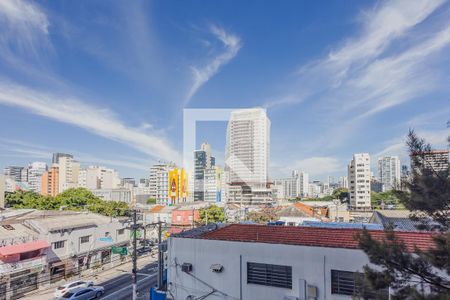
point(120, 287)
point(116, 281)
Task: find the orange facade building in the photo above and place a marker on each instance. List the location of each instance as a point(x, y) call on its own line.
point(50, 182)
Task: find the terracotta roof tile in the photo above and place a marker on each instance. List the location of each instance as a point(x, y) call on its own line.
point(310, 236)
point(156, 208)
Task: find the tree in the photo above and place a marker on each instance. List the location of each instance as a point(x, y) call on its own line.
point(151, 201)
point(263, 216)
point(340, 193)
point(403, 271)
point(388, 198)
point(212, 214)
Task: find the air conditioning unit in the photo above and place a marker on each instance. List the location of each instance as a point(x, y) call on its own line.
point(216, 268)
point(312, 292)
point(290, 298)
point(186, 267)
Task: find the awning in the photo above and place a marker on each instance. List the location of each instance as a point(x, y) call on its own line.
point(22, 248)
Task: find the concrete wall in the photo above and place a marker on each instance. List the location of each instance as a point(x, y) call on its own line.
point(312, 265)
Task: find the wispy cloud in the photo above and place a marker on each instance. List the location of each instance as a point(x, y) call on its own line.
point(97, 120)
point(392, 60)
point(201, 74)
point(16, 148)
point(24, 30)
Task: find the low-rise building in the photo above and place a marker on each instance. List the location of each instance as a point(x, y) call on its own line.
point(118, 194)
point(41, 247)
point(240, 261)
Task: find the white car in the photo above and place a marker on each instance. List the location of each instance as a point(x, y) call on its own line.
point(61, 290)
point(81, 293)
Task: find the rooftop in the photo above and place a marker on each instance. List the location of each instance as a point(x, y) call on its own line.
point(302, 236)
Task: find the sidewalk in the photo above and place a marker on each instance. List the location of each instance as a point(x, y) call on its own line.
point(99, 276)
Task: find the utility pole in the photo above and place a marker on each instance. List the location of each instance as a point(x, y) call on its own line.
point(134, 275)
point(160, 257)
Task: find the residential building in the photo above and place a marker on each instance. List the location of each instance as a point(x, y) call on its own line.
point(117, 194)
point(359, 181)
point(96, 177)
point(400, 220)
point(158, 182)
point(389, 172)
point(297, 186)
point(343, 182)
point(14, 172)
point(185, 217)
point(247, 157)
point(35, 171)
point(238, 262)
point(203, 161)
point(50, 181)
point(43, 247)
point(212, 184)
point(436, 160)
point(68, 171)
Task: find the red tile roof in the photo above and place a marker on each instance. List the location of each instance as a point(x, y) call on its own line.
point(22, 248)
point(310, 236)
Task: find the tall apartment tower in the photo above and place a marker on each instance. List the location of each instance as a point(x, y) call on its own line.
point(389, 172)
point(247, 157)
point(35, 171)
point(50, 181)
point(14, 172)
point(203, 161)
point(68, 170)
point(359, 181)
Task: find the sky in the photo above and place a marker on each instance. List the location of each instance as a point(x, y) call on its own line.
point(108, 80)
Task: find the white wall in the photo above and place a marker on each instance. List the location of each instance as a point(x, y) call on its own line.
point(313, 264)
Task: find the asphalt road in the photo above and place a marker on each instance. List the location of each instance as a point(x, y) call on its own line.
point(120, 287)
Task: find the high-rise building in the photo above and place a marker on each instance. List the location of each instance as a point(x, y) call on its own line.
point(213, 184)
point(389, 172)
point(436, 160)
point(67, 177)
point(359, 181)
point(35, 171)
point(343, 182)
point(95, 177)
point(57, 156)
point(203, 161)
point(14, 172)
point(247, 157)
point(297, 186)
point(50, 181)
point(159, 182)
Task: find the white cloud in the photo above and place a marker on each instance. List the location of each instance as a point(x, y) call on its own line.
point(318, 166)
point(24, 29)
point(96, 120)
point(201, 74)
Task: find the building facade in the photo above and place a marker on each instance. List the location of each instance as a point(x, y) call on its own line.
point(50, 182)
point(359, 181)
point(238, 262)
point(35, 172)
point(203, 161)
point(389, 172)
point(436, 160)
point(247, 157)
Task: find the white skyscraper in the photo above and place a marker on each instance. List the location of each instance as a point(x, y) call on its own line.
point(389, 172)
point(359, 181)
point(35, 171)
point(247, 156)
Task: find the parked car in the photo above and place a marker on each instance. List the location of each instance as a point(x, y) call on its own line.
point(81, 293)
point(61, 290)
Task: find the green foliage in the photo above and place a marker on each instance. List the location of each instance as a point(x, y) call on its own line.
point(403, 271)
point(151, 201)
point(71, 199)
point(212, 214)
point(263, 216)
point(388, 198)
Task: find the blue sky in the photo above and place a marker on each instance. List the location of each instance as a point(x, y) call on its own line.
point(108, 80)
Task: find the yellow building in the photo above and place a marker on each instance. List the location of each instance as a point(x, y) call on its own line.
point(178, 185)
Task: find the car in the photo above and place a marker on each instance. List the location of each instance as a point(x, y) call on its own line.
point(61, 290)
point(82, 293)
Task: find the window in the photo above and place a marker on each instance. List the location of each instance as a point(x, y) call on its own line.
point(58, 245)
point(85, 239)
point(270, 275)
point(120, 231)
point(343, 282)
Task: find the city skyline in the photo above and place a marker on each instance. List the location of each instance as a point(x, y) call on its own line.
point(113, 98)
